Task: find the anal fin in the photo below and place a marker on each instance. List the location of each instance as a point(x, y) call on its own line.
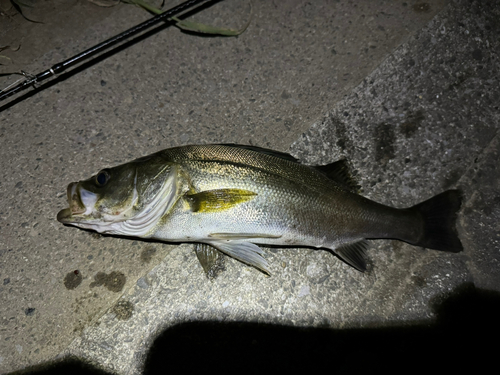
point(245, 252)
point(210, 259)
point(353, 253)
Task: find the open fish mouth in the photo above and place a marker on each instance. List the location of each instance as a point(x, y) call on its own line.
point(81, 203)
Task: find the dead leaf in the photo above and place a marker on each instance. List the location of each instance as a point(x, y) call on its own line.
point(17, 6)
point(194, 26)
point(105, 3)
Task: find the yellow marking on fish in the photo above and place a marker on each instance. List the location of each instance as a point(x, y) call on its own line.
point(218, 200)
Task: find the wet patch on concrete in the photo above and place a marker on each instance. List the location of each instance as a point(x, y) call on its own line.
point(83, 302)
point(385, 138)
point(29, 311)
point(73, 279)
point(114, 282)
point(147, 254)
point(341, 131)
point(123, 310)
point(452, 178)
point(412, 123)
point(422, 7)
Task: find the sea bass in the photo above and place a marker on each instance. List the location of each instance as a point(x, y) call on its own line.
point(232, 198)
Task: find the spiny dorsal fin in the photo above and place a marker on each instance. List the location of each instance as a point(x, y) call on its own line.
point(218, 200)
point(354, 254)
point(339, 172)
point(211, 259)
point(262, 150)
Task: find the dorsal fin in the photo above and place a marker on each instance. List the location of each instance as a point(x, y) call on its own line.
point(339, 172)
point(278, 154)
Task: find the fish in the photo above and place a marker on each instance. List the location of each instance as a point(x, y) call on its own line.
point(230, 199)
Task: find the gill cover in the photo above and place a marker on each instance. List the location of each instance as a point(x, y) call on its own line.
point(128, 199)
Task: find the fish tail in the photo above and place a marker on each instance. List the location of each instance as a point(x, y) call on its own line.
point(439, 217)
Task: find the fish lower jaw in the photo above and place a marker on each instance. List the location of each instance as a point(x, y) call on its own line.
point(64, 216)
point(108, 228)
point(97, 224)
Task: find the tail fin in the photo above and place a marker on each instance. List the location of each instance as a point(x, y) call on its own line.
point(440, 214)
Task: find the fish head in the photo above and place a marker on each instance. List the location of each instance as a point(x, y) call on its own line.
point(117, 200)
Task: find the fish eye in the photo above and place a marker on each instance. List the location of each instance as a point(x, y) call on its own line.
point(101, 178)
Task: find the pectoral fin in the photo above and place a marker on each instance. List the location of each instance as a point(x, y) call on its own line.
point(211, 259)
point(218, 200)
point(245, 252)
point(354, 254)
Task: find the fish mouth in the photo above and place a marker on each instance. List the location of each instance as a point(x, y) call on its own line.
point(64, 216)
point(81, 202)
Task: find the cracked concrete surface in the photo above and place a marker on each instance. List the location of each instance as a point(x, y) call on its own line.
point(407, 91)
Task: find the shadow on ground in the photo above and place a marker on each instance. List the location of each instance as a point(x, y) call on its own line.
point(463, 335)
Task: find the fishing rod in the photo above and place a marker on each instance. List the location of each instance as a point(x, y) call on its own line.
point(31, 80)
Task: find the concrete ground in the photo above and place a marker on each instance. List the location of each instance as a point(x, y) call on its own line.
point(407, 91)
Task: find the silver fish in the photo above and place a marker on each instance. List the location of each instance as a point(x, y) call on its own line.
point(232, 198)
